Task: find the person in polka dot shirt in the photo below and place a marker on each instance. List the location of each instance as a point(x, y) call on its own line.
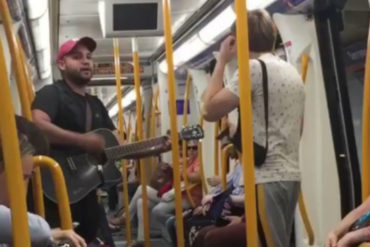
point(279, 176)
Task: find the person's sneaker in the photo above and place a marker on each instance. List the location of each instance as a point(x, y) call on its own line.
point(138, 244)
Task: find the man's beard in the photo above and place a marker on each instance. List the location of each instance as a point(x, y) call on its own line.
point(76, 77)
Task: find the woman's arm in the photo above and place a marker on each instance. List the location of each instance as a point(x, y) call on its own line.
point(217, 101)
point(40, 232)
point(343, 227)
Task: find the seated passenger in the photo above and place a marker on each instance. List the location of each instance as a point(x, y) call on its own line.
point(166, 208)
point(234, 189)
point(341, 236)
point(162, 175)
point(31, 141)
point(278, 178)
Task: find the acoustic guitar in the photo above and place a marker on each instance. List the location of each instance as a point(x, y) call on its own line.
point(85, 172)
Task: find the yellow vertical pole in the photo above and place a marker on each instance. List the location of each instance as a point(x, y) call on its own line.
point(20, 74)
point(16, 55)
point(135, 51)
point(26, 92)
point(173, 114)
point(153, 123)
point(117, 64)
point(128, 126)
point(200, 153)
point(117, 67)
point(29, 84)
point(225, 154)
point(215, 151)
point(365, 128)
point(184, 143)
point(301, 203)
point(12, 160)
point(246, 121)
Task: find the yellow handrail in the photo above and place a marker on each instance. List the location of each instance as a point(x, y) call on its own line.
point(246, 121)
point(302, 206)
point(304, 66)
point(365, 128)
point(215, 151)
point(12, 159)
point(23, 80)
point(153, 123)
point(225, 155)
point(201, 166)
point(29, 85)
point(140, 137)
point(306, 220)
point(27, 95)
point(117, 64)
point(15, 52)
point(129, 128)
point(60, 189)
point(365, 245)
point(184, 143)
point(173, 114)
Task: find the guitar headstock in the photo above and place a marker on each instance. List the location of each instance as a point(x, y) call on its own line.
point(194, 132)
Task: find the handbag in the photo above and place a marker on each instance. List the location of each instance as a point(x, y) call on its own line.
point(260, 152)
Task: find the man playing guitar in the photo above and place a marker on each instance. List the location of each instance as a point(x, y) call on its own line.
point(66, 112)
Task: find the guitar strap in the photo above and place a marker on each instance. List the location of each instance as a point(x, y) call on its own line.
point(88, 116)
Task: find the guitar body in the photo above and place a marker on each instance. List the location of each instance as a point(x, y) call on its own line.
point(84, 173)
point(81, 172)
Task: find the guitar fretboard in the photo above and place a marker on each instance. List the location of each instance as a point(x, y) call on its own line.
point(139, 149)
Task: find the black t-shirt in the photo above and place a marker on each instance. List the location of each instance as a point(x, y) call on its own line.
point(67, 109)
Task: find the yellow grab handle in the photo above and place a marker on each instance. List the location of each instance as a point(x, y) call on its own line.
point(246, 121)
point(302, 206)
point(60, 189)
point(304, 61)
point(38, 195)
point(306, 220)
point(173, 115)
point(225, 154)
point(215, 151)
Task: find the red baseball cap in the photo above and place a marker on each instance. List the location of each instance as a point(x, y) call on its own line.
point(68, 46)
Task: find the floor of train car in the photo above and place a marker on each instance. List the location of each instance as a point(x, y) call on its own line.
point(120, 239)
point(119, 236)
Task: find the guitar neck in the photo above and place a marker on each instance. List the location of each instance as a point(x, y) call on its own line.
point(139, 149)
point(151, 146)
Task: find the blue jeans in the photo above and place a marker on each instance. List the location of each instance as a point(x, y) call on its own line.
point(171, 229)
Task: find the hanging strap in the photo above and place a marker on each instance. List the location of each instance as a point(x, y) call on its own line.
point(265, 98)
